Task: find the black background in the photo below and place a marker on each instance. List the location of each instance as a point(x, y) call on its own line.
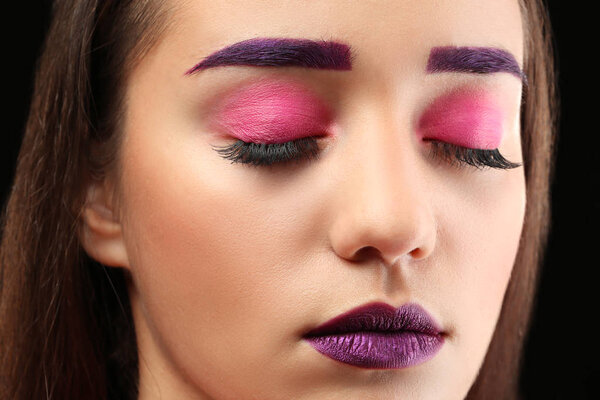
point(561, 347)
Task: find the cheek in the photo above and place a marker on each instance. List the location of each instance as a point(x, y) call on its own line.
point(190, 233)
point(198, 234)
point(498, 237)
point(481, 243)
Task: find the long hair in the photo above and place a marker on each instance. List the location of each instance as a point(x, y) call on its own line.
point(66, 330)
point(498, 377)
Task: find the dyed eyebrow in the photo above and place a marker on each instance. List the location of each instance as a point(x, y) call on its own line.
point(478, 60)
point(281, 52)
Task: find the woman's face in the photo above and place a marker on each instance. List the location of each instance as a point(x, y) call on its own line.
point(232, 263)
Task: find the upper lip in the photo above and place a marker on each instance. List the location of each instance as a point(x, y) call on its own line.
point(380, 317)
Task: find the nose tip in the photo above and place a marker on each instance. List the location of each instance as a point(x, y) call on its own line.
point(396, 236)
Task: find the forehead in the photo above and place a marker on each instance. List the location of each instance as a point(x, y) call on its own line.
point(386, 31)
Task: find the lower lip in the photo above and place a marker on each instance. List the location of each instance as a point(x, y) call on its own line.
point(379, 350)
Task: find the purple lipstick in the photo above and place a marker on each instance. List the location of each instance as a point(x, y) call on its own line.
point(379, 336)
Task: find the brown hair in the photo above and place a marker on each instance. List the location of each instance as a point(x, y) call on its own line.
point(66, 329)
point(499, 375)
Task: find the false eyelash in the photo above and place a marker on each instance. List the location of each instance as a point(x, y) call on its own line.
point(260, 154)
point(265, 154)
point(462, 156)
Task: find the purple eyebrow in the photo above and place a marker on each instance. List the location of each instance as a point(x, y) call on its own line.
point(281, 52)
point(479, 60)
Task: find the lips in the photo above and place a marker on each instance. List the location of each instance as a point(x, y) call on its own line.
point(377, 335)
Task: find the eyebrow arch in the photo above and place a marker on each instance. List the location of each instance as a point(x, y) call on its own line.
point(479, 60)
point(281, 52)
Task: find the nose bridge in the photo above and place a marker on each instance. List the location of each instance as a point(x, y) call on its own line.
point(384, 201)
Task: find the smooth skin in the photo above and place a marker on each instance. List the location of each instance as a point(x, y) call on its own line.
point(230, 263)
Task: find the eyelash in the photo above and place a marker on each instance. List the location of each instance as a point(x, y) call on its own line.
point(465, 156)
point(266, 154)
point(261, 154)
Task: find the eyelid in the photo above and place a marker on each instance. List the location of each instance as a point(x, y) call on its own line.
point(272, 112)
point(468, 121)
point(465, 118)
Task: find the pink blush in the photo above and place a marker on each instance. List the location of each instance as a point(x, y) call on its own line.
point(464, 118)
point(273, 112)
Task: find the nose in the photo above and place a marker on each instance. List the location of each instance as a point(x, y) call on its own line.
point(384, 209)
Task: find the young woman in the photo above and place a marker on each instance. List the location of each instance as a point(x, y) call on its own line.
point(278, 200)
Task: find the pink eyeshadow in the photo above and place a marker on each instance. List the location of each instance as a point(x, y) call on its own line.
point(273, 112)
point(464, 118)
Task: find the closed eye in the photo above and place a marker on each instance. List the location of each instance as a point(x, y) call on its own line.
point(307, 149)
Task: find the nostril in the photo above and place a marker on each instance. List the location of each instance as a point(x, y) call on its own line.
point(417, 253)
point(365, 253)
point(370, 253)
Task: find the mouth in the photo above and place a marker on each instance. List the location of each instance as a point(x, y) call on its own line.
point(379, 336)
